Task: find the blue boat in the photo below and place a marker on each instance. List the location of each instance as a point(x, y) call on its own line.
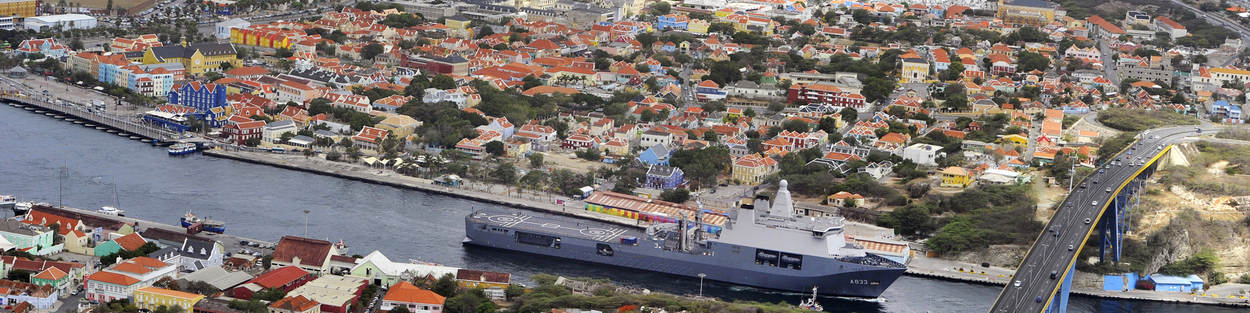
point(213, 226)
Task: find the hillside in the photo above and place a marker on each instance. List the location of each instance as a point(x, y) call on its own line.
point(1194, 218)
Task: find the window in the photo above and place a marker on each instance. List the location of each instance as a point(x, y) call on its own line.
point(603, 249)
point(538, 239)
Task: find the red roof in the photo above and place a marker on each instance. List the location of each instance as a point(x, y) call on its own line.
point(311, 252)
point(279, 277)
point(51, 273)
point(112, 278)
point(408, 293)
point(296, 304)
point(130, 242)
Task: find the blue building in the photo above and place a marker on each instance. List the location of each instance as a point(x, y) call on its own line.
point(656, 155)
point(200, 96)
point(1228, 112)
point(664, 177)
point(1176, 283)
point(671, 21)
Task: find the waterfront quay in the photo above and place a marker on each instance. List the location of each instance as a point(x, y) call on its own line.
point(232, 243)
point(488, 193)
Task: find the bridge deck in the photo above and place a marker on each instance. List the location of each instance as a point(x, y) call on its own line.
point(80, 112)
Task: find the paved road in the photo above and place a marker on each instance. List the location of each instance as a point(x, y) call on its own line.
point(1217, 19)
point(1055, 251)
point(1108, 64)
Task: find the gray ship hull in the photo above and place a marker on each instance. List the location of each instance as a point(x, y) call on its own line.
point(721, 262)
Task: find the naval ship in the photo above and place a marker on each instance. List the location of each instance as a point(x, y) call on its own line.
point(761, 245)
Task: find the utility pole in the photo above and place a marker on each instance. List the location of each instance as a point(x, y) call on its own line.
point(1071, 175)
point(60, 185)
point(701, 276)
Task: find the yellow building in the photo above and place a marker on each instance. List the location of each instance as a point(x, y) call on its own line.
point(914, 70)
point(698, 26)
point(195, 58)
point(150, 298)
point(1031, 12)
point(753, 168)
point(1015, 141)
point(458, 26)
point(515, 148)
point(400, 125)
point(955, 176)
point(21, 8)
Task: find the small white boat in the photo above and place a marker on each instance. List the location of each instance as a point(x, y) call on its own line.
point(21, 208)
point(181, 148)
point(810, 303)
point(108, 210)
point(7, 201)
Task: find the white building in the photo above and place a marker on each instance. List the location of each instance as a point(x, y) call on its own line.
point(923, 154)
point(61, 21)
point(223, 28)
point(6, 23)
point(272, 132)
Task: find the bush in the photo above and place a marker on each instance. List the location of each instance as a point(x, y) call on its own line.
point(987, 216)
point(679, 195)
point(1139, 120)
point(1199, 263)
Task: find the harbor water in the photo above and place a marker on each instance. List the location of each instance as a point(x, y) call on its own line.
point(265, 203)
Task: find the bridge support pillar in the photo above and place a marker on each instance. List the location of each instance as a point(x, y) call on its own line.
point(1060, 302)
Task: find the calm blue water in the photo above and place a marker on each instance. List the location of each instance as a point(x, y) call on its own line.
point(265, 203)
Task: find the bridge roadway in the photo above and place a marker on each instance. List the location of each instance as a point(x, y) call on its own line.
point(1033, 287)
point(80, 111)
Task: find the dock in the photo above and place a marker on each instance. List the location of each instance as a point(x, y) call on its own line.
point(80, 114)
point(950, 270)
point(367, 174)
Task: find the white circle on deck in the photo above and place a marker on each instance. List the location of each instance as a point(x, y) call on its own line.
point(504, 219)
point(595, 231)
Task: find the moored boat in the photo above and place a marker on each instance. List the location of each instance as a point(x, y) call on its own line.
point(181, 148)
point(109, 210)
point(7, 201)
point(21, 208)
point(761, 245)
point(209, 225)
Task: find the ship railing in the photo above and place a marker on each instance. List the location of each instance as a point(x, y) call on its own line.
point(872, 260)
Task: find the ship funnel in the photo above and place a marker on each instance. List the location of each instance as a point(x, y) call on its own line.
point(782, 205)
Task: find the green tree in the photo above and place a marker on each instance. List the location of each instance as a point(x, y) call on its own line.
point(445, 286)
point(270, 294)
point(471, 301)
point(536, 160)
point(504, 174)
point(702, 166)
point(1029, 61)
point(495, 148)
point(796, 125)
point(679, 195)
point(912, 220)
point(513, 291)
point(443, 82)
point(590, 154)
point(660, 8)
point(953, 72)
